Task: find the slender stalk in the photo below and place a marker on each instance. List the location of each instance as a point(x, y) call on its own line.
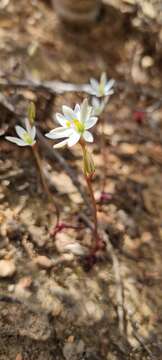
point(43, 181)
point(104, 157)
point(88, 178)
point(103, 151)
point(39, 166)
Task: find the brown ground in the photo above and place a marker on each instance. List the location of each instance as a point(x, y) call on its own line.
point(50, 307)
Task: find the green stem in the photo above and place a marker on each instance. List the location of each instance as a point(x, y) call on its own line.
point(103, 150)
point(43, 181)
point(88, 179)
point(104, 157)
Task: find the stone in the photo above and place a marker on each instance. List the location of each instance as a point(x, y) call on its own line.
point(38, 234)
point(43, 261)
point(21, 288)
point(94, 311)
point(7, 268)
point(57, 308)
point(71, 350)
point(66, 244)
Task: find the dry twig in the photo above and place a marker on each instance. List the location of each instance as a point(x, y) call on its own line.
point(141, 341)
point(51, 87)
point(60, 87)
point(119, 285)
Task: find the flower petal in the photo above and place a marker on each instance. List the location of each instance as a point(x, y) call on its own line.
point(33, 132)
point(88, 136)
point(16, 140)
point(59, 133)
point(90, 122)
point(103, 79)
point(94, 84)
point(20, 131)
point(95, 102)
point(60, 144)
point(68, 112)
point(98, 105)
point(61, 119)
point(109, 92)
point(74, 138)
point(85, 111)
point(27, 125)
point(109, 84)
point(77, 108)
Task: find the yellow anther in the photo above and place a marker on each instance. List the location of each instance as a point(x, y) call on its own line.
point(101, 89)
point(79, 126)
point(27, 138)
point(68, 123)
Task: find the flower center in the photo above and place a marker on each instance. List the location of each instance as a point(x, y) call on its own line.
point(27, 138)
point(101, 90)
point(78, 125)
point(68, 123)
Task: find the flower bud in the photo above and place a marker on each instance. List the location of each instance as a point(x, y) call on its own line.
point(89, 167)
point(31, 112)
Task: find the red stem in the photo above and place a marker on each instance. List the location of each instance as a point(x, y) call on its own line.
point(94, 207)
point(88, 179)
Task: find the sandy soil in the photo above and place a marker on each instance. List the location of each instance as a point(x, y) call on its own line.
point(52, 306)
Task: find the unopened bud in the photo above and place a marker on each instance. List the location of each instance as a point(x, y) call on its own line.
point(89, 167)
point(31, 113)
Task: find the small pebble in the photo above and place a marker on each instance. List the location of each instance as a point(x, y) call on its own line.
point(43, 261)
point(65, 244)
point(71, 339)
point(7, 268)
point(19, 357)
point(57, 308)
point(25, 282)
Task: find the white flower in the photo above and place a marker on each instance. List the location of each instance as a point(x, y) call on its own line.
point(74, 125)
point(26, 136)
point(103, 87)
point(98, 106)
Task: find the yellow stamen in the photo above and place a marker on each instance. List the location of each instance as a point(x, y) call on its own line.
point(27, 138)
point(68, 123)
point(79, 126)
point(101, 89)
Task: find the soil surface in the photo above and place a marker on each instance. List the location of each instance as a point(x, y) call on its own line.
point(54, 303)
